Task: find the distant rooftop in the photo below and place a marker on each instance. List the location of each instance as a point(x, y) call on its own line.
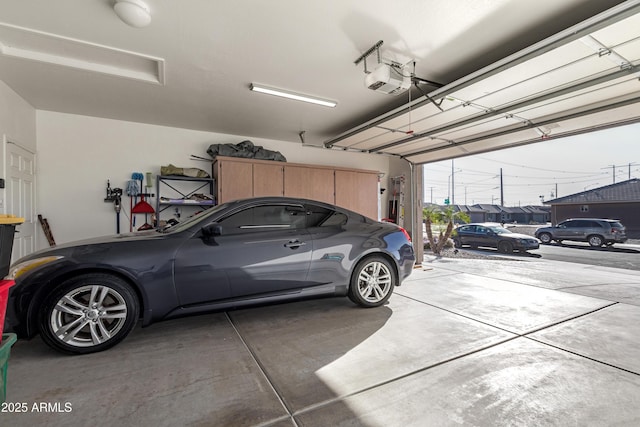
point(625, 191)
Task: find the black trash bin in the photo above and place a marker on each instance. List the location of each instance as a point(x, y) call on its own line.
point(7, 231)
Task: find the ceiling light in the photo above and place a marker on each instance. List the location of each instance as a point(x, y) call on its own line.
point(292, 95)
point(133, 12)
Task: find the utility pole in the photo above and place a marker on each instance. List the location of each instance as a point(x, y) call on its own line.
point(453, 197)
point(613, 171)
point(501, 190)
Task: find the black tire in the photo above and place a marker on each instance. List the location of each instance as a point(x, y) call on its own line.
point(595, 240)
point(457, 243)
point(545, 238)
point(88, 313)
point(505, 247)
point(372, 282)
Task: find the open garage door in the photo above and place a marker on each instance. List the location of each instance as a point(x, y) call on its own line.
point(580, 80)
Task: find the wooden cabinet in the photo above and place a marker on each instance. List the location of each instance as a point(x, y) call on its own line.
point(354, 189)
point(309, 183)
point(268, 179)
point(234, 180)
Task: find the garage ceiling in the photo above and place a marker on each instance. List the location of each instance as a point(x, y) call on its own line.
point(193, 65)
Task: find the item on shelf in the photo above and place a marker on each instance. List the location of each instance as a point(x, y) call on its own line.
point(244, 149)
point(172, 170)
point(182, 191)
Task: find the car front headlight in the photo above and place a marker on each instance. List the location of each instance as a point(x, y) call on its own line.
point(25, 267)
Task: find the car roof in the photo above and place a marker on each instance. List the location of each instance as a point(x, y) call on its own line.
point(593, 219)
point(486, 224)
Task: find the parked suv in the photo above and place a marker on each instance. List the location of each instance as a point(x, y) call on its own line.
point(597, 232)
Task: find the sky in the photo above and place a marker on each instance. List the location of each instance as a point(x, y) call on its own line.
point(543, 170)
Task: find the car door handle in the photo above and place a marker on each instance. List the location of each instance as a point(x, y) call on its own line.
point(294, 244)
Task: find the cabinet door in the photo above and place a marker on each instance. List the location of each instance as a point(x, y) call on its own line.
point(358, 191)
point(235, 181)
point(309, 183)
point(267, 180)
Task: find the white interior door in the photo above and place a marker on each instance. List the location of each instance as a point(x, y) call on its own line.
point(20, 197)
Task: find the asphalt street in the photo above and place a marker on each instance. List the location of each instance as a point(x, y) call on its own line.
point(626, 256)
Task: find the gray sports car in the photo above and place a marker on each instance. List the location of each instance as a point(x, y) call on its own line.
point(86, 296)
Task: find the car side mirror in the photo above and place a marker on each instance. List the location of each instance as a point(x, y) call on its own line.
point(211, 230)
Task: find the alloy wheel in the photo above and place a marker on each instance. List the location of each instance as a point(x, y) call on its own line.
point(88, 315)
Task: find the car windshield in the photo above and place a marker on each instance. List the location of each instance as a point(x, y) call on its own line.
point(194, 219)
point(499, 230)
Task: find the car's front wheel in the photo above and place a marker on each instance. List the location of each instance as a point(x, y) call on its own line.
point(88, 313)
point(372, 282)
point(545, 238)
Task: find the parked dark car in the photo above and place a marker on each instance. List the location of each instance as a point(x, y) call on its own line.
point(492, 235)
point(86, 296)
point(596, 231)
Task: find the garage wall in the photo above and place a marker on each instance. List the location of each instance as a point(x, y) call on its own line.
point(18, 125)
point(77, 154)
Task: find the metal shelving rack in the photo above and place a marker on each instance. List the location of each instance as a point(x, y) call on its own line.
point(170, 181)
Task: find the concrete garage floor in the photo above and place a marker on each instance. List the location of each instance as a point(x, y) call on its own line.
point(464, 342)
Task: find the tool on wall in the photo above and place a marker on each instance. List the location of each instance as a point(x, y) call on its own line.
point(142, 206)
point(44, 223)
point(133, 190)
point(396, 208)
point(115, 195)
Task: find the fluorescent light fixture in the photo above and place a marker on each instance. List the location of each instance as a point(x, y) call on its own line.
point(292, 95)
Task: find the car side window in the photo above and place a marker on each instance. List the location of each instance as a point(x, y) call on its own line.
point(334, 219)
point(263, 218)
point(318, 216)
point(595, 224)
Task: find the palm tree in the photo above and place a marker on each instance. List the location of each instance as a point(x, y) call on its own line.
point(433, 214)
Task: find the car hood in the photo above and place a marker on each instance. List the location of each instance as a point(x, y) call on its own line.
point(95, 242)
point(519, 236)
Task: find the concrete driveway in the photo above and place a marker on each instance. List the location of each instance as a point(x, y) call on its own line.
point(463, 342)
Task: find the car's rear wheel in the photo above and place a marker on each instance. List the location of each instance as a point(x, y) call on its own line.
point(505, 247)
point(545, 238)
point(595, 241)
point(88, 313)
point(372, 282)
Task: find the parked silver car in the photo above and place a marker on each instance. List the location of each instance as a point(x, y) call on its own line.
point(596, 231)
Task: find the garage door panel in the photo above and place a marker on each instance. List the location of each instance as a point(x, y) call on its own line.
point(572, 52)
point(613, 35)
point(604, 95)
